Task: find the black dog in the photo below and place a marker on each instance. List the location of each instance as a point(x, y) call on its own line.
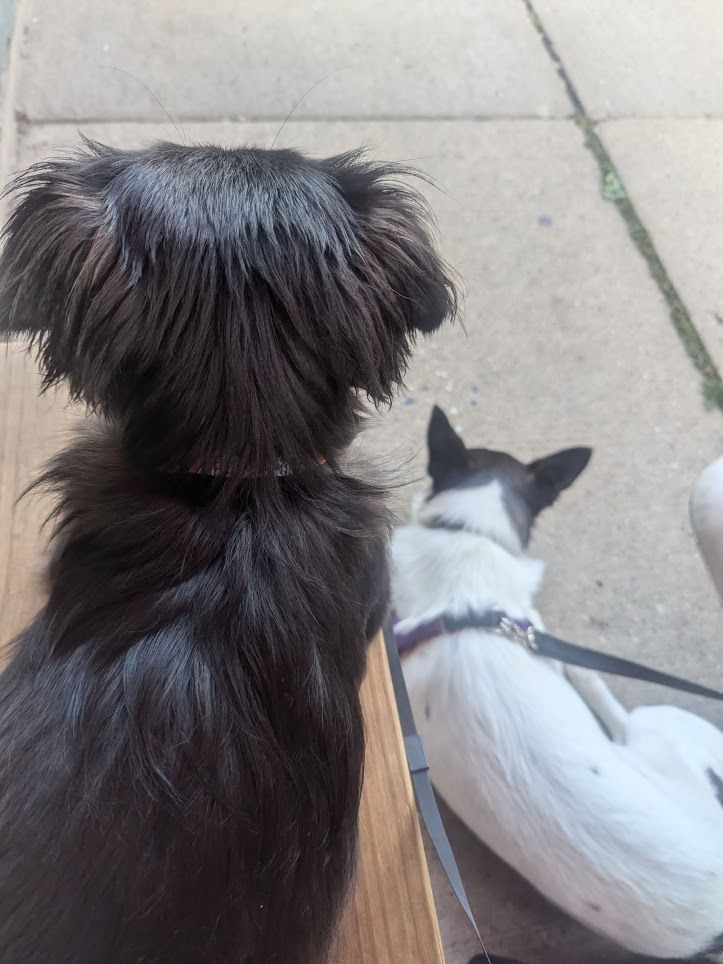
point(181, 741)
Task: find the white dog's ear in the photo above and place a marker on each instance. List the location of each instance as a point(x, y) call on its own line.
point(447, 452)
point(550, 475)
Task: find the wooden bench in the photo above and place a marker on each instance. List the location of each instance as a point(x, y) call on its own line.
point(391, 917)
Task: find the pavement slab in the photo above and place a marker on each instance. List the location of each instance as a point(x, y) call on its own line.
point(566, 340)
point(7, 19)
point(649, 58)
point(256, 59)
point(7, 16)
point(673, 171)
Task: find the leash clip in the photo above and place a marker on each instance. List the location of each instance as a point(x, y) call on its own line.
point(519, 631)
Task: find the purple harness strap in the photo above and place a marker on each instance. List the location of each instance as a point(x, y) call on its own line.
point(444, 624)
point(542, 644)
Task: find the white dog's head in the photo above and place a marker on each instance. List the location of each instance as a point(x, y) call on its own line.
point(484, 490)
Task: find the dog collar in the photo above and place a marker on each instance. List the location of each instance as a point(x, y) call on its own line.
point(282, 468)
point(449, 525)
point(521, 629)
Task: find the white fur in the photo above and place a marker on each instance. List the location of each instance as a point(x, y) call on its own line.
point(479, 508)
point(625, 834)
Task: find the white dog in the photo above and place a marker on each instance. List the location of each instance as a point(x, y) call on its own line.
point(615, 816)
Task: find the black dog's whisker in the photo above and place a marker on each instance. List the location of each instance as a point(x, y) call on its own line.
point(126, 73)
point(301, 100)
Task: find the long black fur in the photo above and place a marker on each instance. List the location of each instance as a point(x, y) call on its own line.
point(181, 740)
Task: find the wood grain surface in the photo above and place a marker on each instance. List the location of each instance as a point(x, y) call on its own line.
point(390, 918)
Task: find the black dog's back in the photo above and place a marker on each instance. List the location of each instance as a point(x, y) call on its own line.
point(181, 743)
point(184, 785)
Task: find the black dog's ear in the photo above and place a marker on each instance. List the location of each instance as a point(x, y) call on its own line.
point(447, 452)
point(400, 236)
point(547, 477)
point(54, 246)
point(402, 278)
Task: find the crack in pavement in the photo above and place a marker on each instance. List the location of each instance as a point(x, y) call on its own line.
point(613, 190)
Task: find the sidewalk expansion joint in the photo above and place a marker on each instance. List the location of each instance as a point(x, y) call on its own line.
point(27, 122)
point(613, 190)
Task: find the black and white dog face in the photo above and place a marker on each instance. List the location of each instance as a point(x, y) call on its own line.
point(477, 488)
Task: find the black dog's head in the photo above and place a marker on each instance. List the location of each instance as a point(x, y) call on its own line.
point(225, 307)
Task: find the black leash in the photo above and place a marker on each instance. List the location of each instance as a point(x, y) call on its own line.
point(419, 772)
point(546, 645)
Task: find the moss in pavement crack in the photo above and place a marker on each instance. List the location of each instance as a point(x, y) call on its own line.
point(613, 190)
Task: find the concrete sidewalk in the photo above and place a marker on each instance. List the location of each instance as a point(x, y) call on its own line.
point(557, 131)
